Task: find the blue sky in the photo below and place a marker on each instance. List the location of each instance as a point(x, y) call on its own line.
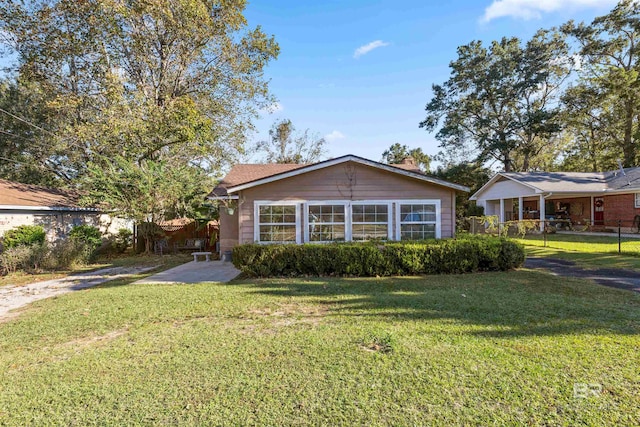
point(364, 103)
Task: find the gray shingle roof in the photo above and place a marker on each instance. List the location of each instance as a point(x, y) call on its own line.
point(580, 181)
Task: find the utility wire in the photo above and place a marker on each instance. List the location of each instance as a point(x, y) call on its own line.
point(26, 121)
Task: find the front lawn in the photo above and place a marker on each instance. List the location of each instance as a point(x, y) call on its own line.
point(478, 349)
point(588, 251)
point(584, 243)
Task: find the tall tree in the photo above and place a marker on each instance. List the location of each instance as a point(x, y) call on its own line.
point(472, 175)
point(502, 99)
point(285, 145)
point(592, 129)
point(610, 72)
point(396, 153)
point(153, 81)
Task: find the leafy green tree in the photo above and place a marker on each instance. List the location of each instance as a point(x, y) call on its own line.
point(285, 145)
point(147, 88)
point(472, 175)
point(591, 130)
point(25, 149)
point(396, 153)
point(502, 99)
point(608, 94)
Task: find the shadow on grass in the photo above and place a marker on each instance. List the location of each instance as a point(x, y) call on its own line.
point(520, 303)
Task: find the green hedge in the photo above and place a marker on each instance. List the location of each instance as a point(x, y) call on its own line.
point(466, 255)
point(24, 235)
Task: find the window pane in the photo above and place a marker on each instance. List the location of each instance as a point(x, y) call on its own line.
point(370, 213)
point(362, 232)
point(277, 233)
point(417, 231)
point(418, 213)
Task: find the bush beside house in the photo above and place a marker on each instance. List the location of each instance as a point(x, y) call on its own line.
point(25, 249)
point(467, 255)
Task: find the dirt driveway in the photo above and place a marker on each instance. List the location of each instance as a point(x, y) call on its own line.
point(12, 297)
point(613, 277)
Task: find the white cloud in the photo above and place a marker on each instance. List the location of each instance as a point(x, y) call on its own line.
point(334, 136)
point(363, 50)
point(276, 107)
point(533, 9)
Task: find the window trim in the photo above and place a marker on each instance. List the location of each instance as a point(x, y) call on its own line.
point(436, 202)
point(389, 205)
point(347, 219)
point(256, 218)
point(636, 201)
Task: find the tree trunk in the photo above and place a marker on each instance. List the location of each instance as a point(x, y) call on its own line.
point(628, 148)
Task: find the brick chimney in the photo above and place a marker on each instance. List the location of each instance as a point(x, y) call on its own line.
point(409, 161)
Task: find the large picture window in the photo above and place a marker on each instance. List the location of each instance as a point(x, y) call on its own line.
point(418, 221)
point(327, 223)
point(369, 222)
point(276, 223)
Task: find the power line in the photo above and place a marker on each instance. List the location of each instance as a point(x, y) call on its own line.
point(27, 122)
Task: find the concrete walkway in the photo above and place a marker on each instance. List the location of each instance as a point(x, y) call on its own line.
point(612, 277)
point(12, 297)
point(194, 272)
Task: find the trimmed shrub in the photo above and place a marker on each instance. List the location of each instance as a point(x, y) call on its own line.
point(88, 234)
point(122, 240)
point(23, 235)
point(465, 255)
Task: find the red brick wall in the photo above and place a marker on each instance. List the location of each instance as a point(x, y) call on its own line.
point(620, 206)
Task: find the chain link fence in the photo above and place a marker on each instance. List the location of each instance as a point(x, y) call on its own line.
point(603, 237)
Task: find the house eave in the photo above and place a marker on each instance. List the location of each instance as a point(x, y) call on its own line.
point(340, 160)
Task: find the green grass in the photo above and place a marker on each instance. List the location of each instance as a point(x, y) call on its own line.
point(587, 251)
point(584, 243)
point(481, 349)
point(125, 260)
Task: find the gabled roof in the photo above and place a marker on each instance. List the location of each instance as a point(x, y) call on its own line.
point(15, 195)
point(571, 182)
point(245, 176)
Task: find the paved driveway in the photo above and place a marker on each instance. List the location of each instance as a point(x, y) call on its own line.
point(613, 277)
point(194, 272)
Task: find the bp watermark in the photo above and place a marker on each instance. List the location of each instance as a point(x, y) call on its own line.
point(586, 390)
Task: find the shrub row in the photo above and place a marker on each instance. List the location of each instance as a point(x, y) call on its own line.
point(45, 256)
point(466, 255)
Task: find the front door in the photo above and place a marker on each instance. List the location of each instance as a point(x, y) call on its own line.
point(598, 211)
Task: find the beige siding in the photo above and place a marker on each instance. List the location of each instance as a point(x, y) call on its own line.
point(228, 230)
point(348, 181)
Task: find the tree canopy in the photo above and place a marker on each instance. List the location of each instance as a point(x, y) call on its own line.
point(501, 99)
point(162, 88)
point(285, 145)
point(396, 153)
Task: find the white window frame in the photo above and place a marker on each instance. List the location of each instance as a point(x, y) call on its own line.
point(256, 218)
point(637, 200)
point(389, 205)
point(435, 202)
point(348, 212)
point(347, 219)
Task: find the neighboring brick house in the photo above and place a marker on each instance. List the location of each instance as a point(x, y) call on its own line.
point(348, 198)
point(56, 211)
point(599, 199)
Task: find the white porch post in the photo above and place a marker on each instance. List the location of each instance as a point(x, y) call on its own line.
point(501, 210)
point(593, 212)
point(520, 210)
point(543, 214)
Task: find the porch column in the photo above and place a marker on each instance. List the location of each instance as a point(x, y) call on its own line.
point(520, 210)
point(501, 210)
point(593, 212)
point(541, 209)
